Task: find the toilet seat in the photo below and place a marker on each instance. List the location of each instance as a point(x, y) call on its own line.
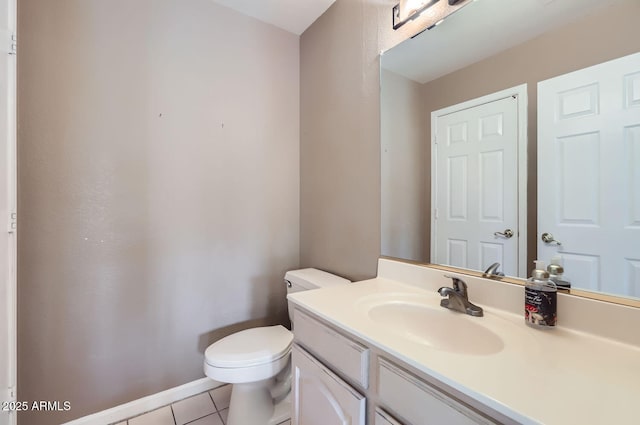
point(250, 355)
point(250, 347)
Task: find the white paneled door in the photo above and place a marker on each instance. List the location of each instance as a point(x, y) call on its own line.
point(475, 182)
point(7, 211)
point(589, 175)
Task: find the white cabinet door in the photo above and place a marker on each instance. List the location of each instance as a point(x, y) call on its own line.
point(320, 397)
point(589, 174)
point(475, 183)
point(7, 208)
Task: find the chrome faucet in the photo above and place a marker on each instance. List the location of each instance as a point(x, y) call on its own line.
point(492, 271)
point(457, 298)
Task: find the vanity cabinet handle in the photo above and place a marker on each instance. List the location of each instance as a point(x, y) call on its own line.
point(507, 234)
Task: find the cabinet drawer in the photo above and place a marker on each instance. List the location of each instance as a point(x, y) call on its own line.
point(343, 354)
point(383, 418)
point(420, 403)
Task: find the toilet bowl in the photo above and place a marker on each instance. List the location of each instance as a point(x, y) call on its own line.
point(257, 361)
point(251, 360)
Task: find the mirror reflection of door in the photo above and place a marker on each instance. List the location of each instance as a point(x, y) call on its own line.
point(589, 175)
point(475, 220)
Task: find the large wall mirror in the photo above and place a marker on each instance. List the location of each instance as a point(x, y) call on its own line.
point(560, 82)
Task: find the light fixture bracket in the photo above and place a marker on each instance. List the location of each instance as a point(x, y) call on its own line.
point(398, 21)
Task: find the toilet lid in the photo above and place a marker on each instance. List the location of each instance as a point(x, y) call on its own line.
point(250, 347)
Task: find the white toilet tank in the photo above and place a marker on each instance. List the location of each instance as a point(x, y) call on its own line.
point(305, 279)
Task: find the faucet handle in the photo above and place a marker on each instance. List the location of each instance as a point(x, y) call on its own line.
point(492, 271)
point(458, 285)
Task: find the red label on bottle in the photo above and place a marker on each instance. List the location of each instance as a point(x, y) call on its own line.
point(540, 307)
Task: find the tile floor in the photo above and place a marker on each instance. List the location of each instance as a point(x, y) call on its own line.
point(209, 408)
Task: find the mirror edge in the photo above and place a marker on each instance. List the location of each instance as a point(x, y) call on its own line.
point(613, 299)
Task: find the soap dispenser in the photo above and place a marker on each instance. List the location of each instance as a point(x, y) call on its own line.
point(556, 270)
point(540, 299)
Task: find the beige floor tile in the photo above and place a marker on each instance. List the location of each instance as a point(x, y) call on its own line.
point(193, 408)
point(221, 396)
point(208, 420)
point(162, 416)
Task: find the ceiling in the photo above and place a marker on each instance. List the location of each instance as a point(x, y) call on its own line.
point(480, 30)
point(291, 15)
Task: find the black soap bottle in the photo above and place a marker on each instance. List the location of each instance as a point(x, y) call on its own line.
point(540, 299)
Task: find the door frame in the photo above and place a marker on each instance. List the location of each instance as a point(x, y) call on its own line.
point(520, 93)
point(9, 281)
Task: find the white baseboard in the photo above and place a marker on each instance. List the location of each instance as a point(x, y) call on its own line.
point(146, 404)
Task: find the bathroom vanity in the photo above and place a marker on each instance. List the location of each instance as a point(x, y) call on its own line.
point(383, 351)
point(333, 368)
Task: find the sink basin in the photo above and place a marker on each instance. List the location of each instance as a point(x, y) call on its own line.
point(420, 319)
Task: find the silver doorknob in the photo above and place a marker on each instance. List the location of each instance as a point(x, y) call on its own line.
point(506, 234)
point(548, 238)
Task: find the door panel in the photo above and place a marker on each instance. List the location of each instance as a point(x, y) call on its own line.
point(475, 185)
point(588, 174)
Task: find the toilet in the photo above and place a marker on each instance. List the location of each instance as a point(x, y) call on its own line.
point(257, 361)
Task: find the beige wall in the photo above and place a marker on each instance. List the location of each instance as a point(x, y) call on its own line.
point(158, 192)
point(405, 175)
point(340, 135)
point(602, 36)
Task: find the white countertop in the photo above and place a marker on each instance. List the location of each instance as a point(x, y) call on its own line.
point(558, 376)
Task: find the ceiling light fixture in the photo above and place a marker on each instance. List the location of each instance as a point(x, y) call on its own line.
point(408, 10)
